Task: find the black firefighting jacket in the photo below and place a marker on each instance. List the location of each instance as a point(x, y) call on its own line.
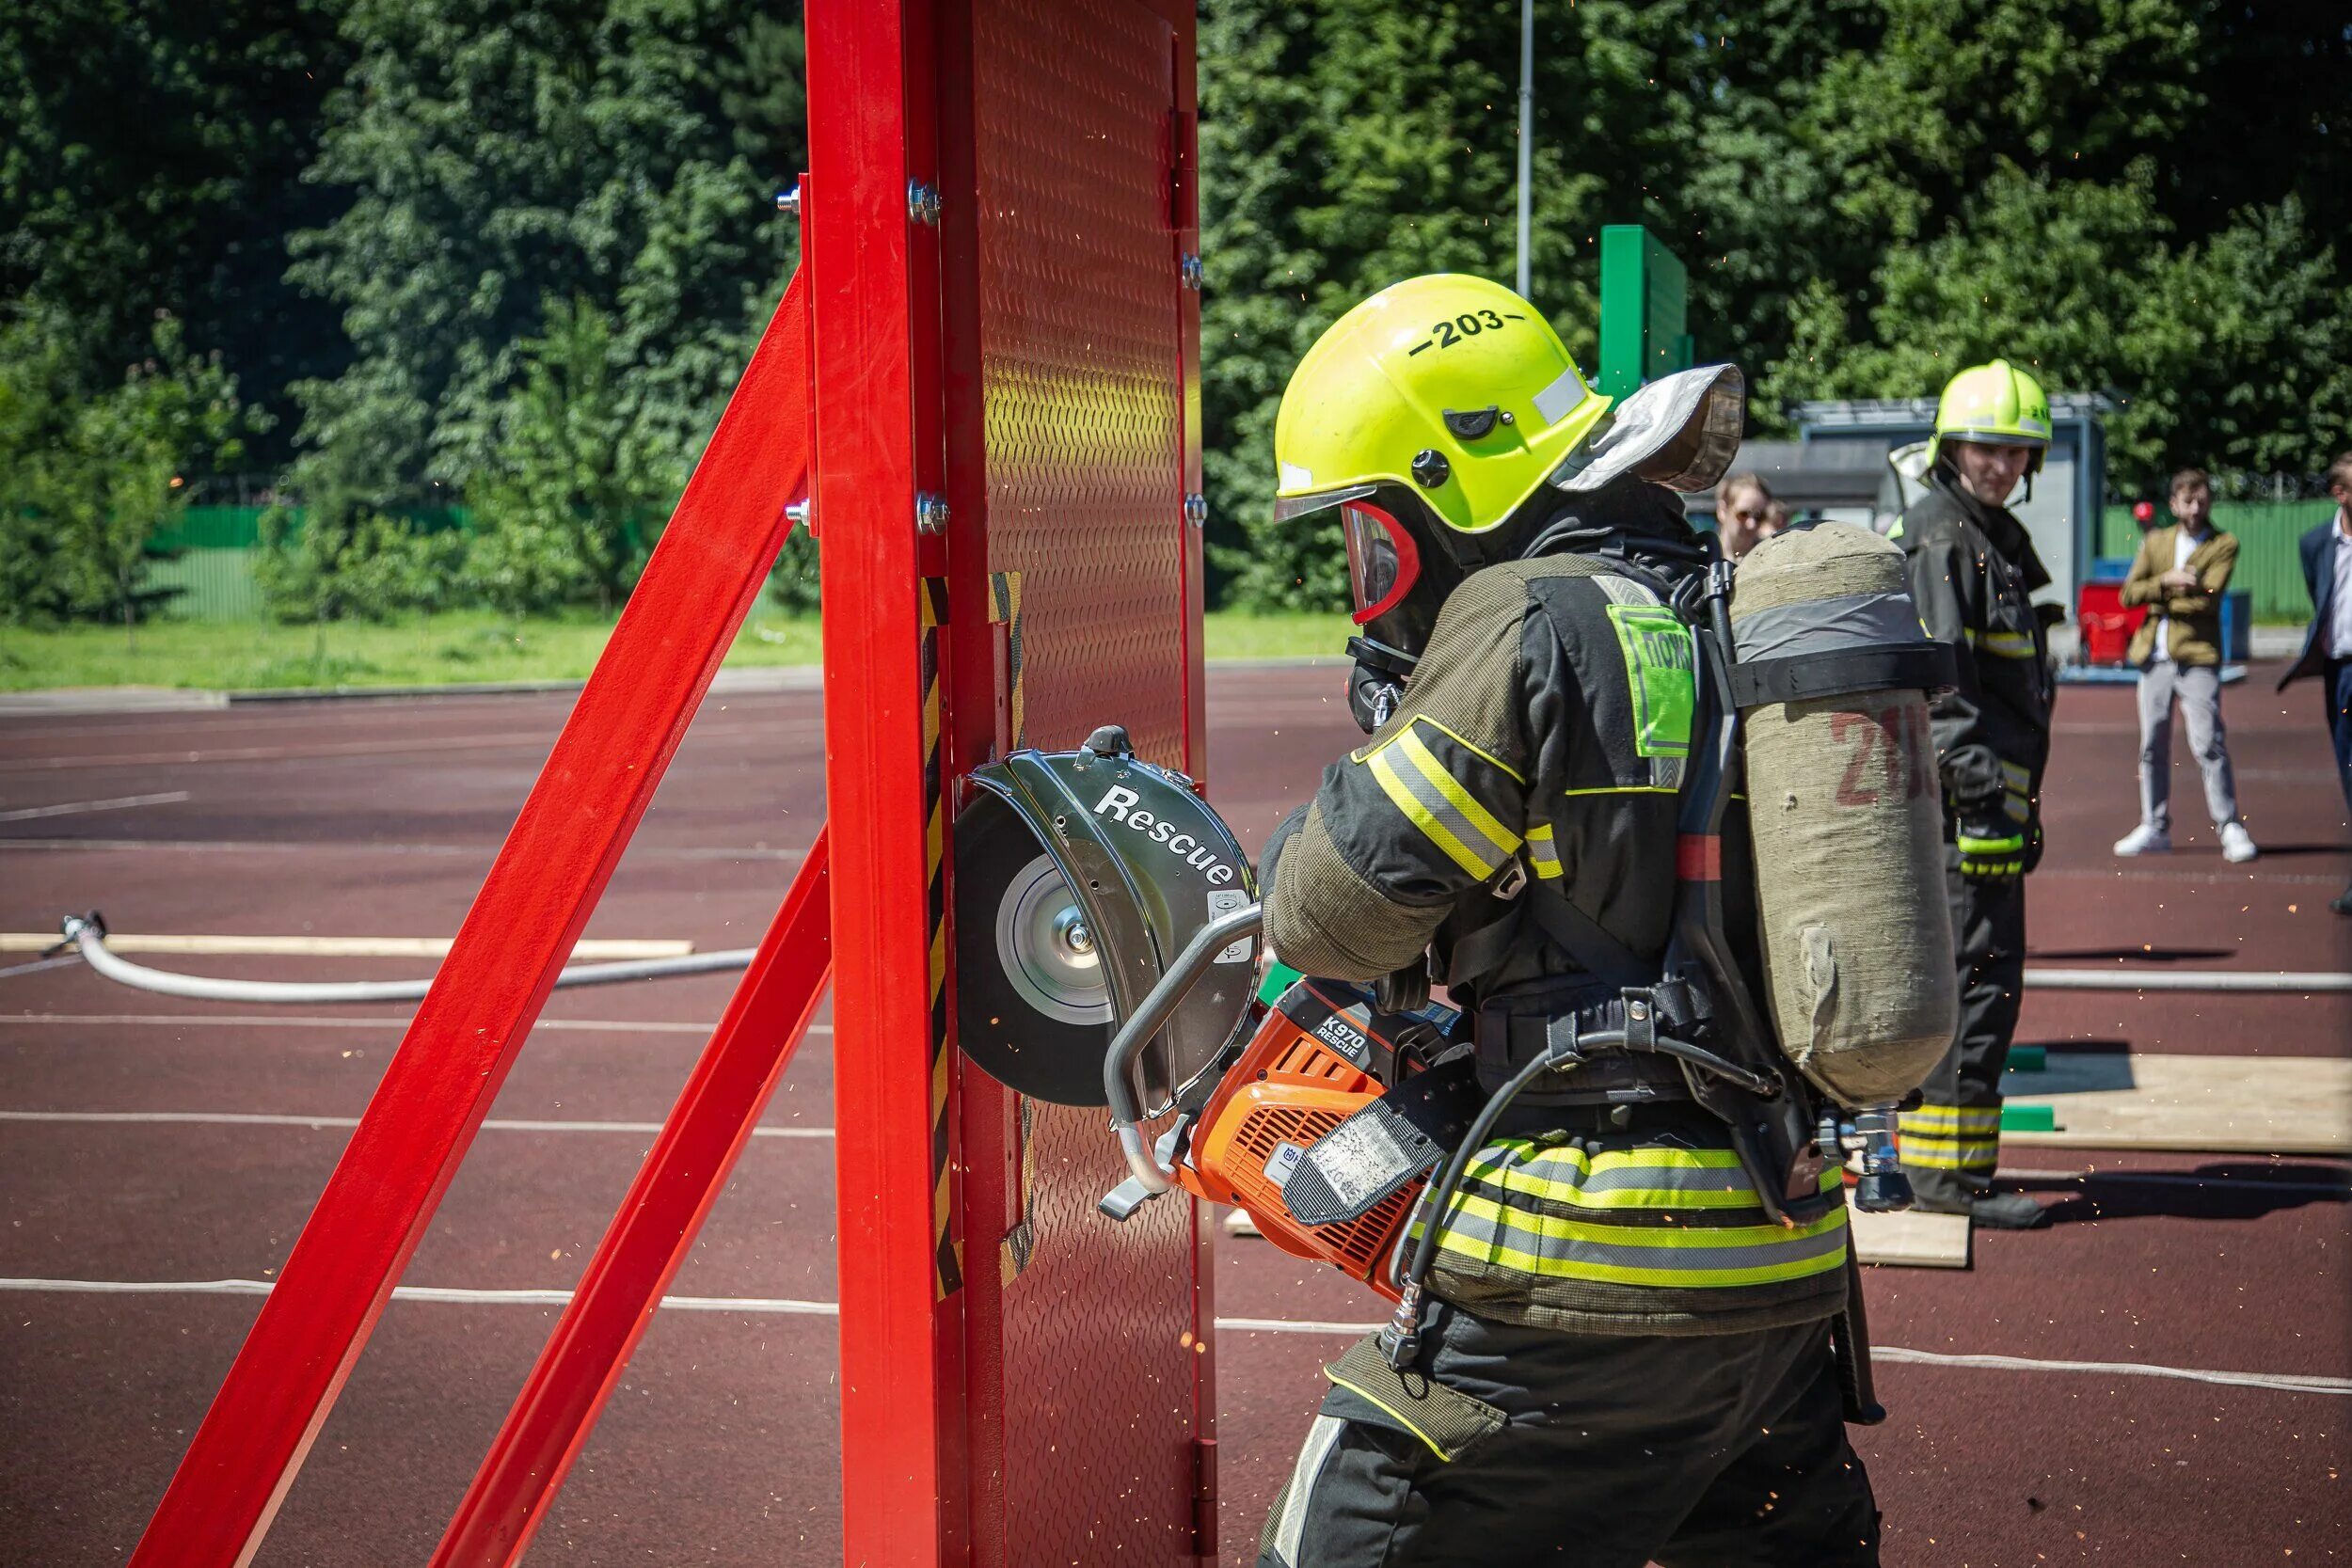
point(1543, 737)
point(1973, 571)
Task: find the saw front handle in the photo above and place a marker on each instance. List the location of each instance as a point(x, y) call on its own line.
point(1127, 1046)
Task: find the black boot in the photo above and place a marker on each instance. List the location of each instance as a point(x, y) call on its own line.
point(2007, 1212)
point(2343, 903)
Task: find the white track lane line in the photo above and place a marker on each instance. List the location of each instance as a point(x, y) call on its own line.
point(75, 808)
point(327, 750)
point(443, 1293)
point(2290, 1382)
point(262, 1020)
point(255, 1118)
point(38, 964)
point(215, 944)
point(349, 847)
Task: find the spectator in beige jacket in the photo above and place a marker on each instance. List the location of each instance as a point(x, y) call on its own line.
point(2180, 575)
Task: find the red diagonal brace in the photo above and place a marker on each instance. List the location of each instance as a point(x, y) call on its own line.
point(703, 579)
point(652, 1232)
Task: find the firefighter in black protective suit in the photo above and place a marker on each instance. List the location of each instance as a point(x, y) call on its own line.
point(1973, 572)
point(1625, 1360)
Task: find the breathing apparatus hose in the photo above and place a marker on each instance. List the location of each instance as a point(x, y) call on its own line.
point(1400, 1341)
point(88, 936)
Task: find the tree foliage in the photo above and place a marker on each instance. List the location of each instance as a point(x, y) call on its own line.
point(91, 478)
point(2144, 197)
point(153, 161)
point(507, 256)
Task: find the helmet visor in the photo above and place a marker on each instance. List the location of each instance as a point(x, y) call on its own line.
point(1288, 508)
point(1382, 561)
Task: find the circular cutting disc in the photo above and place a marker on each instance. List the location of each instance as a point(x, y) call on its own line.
point(1032, 1006)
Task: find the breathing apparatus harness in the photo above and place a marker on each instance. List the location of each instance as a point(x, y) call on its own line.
point(1693, 1013)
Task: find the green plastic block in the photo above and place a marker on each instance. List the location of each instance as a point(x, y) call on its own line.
point(1279, 978)
point(2030, 1118)
point(2028, 1058)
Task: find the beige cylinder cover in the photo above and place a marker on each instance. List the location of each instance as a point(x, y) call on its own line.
point(1845, 809)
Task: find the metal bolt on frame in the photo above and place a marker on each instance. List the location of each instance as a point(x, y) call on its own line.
point(789, 200)
point(1189, 269)
point(930, 512)
point(1197, 510)
point(922, 202)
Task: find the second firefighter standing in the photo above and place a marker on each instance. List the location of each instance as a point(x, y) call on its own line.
point(1973, 573)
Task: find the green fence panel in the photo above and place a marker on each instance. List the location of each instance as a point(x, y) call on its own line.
point(212, 527)
point(2267, 533)
point(215, 584)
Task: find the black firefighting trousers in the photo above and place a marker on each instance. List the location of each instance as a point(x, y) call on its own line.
point(1953, 1141)
point(1599, 1451)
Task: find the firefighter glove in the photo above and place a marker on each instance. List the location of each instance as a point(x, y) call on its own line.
point(1991, 852)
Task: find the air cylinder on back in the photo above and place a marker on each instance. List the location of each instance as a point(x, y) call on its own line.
point(1832, 675)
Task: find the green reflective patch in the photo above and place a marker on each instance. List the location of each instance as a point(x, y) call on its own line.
point(1661, 665)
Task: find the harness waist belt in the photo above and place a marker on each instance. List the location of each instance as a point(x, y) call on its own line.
point(1512, 1030)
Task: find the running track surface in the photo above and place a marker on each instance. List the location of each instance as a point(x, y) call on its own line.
point(377, 818)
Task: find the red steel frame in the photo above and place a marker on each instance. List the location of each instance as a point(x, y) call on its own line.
point(703, 579)
point(899, 370)
point(872, 361)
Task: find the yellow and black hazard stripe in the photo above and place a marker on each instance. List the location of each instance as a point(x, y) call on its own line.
point(946, 1250)
point(1004, 609)
point(1013, 1252)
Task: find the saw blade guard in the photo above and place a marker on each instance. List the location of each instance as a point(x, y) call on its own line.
point(1080, 877)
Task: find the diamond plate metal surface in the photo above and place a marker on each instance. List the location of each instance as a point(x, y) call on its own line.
point(1079, 323)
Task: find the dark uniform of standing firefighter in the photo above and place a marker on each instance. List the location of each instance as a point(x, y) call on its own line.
point(1629, 1354)
point(1973, 572)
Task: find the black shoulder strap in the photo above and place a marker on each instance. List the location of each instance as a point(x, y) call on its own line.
point(1580, 937)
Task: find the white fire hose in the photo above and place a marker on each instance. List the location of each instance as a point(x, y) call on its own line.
point(2209, 979)
point(87, 934)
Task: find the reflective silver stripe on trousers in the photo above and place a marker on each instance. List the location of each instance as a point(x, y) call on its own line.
point(1321, 1438)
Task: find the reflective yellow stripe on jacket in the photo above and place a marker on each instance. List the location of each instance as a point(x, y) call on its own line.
point(1641, 1217)
point(1543, 852)
point(2003, 644)
point(1952, 1137)
point(1438, 803)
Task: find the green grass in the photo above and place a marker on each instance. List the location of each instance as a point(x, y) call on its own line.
point(1291, 634)
point(431, 650)
point(461, 647)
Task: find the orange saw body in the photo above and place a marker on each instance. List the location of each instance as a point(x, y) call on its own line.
point(1320, 1054)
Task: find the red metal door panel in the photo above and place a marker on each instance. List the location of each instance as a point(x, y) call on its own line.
point(1080, 336)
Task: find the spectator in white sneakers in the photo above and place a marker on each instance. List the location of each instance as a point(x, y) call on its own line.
point(2180, 575)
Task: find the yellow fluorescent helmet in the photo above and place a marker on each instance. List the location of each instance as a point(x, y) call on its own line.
point(1998, 405)
point(1450, 385)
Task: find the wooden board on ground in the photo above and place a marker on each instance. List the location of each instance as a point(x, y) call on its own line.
point(1911, 1240)
point(2192, 1104)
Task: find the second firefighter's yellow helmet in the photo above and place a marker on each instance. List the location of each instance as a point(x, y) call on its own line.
point(1998, 405)
point(1450, 385)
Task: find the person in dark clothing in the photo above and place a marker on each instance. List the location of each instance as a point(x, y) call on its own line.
point(2326, 554)
point(1630, 1358)
point(1973, 574)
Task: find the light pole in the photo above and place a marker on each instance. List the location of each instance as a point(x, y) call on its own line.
point(1527, 127)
